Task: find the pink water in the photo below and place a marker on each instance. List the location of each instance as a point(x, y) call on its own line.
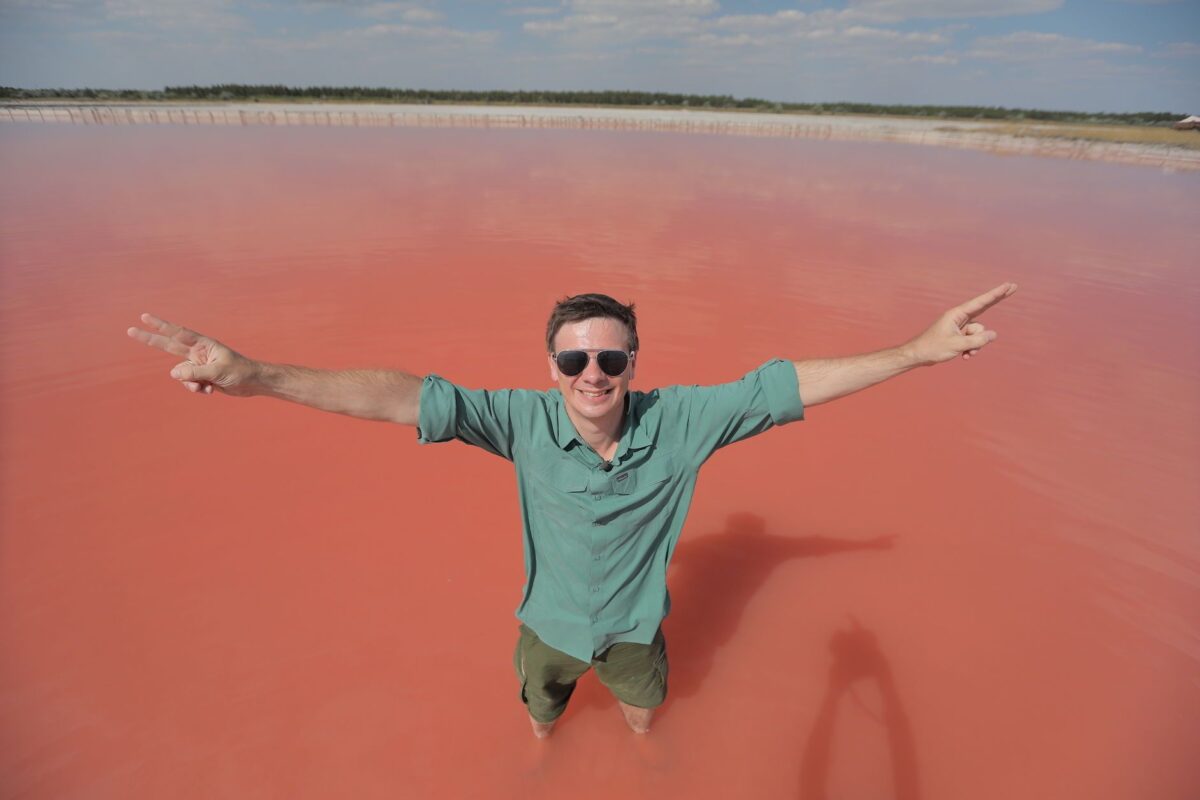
point(215, 597)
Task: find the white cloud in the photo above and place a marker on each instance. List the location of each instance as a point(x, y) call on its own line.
point(733, 40)
point(531, 11)
point(121, 38)
point(53, 14)
point(575, 22)
point(424, 32)
point(375, 9)
point(863, 33)
point(927, 59)
point(648, 7)
point(760, 22)
point(48, 5)
point(790, 20)
point(406, 11)
point(690, 24)
point(378, 35)
point(179, 15)
point(1036, 46)
point(623, 21)
point(570, 57)
point(1181, 50)
point(826, 32)
point(895, 10)
point(607, 22)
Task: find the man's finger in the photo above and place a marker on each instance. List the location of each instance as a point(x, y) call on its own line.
point(973, 308)
point(176, 332)
point(161, 342)
point(978, 340)
point(188, 372)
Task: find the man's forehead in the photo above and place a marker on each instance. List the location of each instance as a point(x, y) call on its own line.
point(601, 332)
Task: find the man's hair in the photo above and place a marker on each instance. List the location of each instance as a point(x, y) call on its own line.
point(590, 306)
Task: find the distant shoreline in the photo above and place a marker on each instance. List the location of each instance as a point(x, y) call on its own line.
point(1164, 149)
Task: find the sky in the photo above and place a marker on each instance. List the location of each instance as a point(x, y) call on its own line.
point(1100, 55)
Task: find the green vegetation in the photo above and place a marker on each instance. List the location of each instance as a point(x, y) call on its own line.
point(244, 93)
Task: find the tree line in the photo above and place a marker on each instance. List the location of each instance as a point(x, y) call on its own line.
point(255, 93)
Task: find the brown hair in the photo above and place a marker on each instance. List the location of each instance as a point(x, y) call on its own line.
point(590, 306)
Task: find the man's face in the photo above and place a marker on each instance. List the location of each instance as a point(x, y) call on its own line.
point(592, 394)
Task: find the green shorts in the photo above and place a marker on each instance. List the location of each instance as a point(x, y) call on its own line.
point(636, 674)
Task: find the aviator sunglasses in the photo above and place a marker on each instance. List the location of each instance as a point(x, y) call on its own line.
point(572, 362)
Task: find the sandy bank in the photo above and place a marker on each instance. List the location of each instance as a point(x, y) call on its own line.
point(1035, 140)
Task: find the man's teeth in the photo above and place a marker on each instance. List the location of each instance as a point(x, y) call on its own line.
point(595, 394)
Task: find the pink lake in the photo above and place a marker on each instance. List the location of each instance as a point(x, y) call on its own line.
point(219, 597)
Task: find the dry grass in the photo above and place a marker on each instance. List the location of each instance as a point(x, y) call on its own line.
point(1126, 134)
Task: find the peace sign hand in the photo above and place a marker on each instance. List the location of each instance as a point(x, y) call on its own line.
point(209, 364)
point(955, 333)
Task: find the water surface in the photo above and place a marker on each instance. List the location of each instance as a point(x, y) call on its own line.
point(977, 580)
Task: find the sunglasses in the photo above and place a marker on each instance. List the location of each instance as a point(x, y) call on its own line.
point(572, 362)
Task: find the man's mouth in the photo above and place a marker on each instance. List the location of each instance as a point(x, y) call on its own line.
point(600, 393)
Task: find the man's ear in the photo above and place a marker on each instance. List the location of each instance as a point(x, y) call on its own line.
point(632, 363)
point(553, 367)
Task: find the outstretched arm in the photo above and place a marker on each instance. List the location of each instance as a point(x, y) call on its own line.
point(955, 333)
point(385, 395)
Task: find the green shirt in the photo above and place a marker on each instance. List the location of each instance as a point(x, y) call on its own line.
point(597, 542)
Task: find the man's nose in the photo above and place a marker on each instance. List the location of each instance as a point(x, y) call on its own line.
point(592, 372)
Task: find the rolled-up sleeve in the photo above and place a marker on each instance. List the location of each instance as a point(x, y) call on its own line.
point(478, 417)
point(781, 390)
point(716, 416)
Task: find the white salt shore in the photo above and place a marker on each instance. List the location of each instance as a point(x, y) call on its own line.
point(976, 135)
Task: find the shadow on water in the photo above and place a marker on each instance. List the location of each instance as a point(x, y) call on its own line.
point(713, 578)
point(856, 659)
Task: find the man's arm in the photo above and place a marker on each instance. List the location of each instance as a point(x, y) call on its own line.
point(955, 333)
point(825, 379)
point(376, 394)
point(386, 395)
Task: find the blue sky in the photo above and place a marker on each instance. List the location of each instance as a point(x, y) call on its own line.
point(1102, 55)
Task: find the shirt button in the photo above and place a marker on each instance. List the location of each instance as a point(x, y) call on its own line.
point(595, 588)
point(595, 618)
point(596, 496)
point(595, 558)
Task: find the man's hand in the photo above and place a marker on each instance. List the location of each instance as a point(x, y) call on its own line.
point(209, 364)
point(825, 379)
point(388, 395)
point(956, 333)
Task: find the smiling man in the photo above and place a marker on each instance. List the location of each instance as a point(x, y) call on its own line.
point(605, 474)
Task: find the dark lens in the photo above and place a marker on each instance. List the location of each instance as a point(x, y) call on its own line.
point(613, 362)
point(572, 362)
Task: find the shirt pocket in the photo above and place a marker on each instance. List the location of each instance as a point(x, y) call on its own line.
point(659, 469)
point(564, 474)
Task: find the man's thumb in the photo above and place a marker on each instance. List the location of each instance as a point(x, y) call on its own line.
point(187, 371)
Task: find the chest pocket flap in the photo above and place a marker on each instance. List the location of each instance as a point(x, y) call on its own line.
point(564, 474)
point(657, 470)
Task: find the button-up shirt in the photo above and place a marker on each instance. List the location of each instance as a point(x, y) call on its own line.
point(598, 536)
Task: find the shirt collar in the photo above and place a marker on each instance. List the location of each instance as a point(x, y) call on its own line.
point(634, 436)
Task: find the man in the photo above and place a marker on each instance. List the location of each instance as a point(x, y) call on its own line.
point(605, 474)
